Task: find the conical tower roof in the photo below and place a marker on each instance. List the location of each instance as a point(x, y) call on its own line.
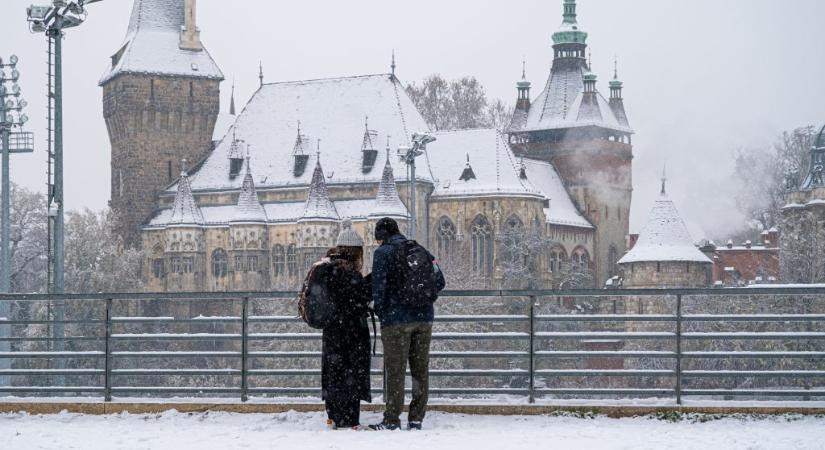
point(185, 211)
point(387, 202)
point(249, 207)
point(318, 205)
point(665, 237)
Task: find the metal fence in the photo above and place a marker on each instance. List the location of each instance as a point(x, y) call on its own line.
point(766, 343)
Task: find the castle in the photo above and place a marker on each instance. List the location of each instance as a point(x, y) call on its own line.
point(265, 191)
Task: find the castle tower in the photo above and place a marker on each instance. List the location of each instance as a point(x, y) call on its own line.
point(185, 242)
point(586, 137)
point(248, 239)
point(318, 225)
point(160, 101)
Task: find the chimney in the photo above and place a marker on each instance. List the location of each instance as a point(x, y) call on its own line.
point(190, 35)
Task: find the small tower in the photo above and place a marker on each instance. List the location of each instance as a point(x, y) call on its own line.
point(185, 243)
point(248, 239)
point(318, 224)
point(616, 99)
point(523, 87)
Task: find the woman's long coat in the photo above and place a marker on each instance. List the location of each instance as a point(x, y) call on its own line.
point(345, 372)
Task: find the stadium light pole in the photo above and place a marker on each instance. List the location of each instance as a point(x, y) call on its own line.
point(52, 20)
point(11, 105)
point(408, 155)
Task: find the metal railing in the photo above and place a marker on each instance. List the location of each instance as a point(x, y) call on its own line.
point(529, 344)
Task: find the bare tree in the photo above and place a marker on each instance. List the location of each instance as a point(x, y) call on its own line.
point(28, 241)
point(457, 104)
point(802, 255)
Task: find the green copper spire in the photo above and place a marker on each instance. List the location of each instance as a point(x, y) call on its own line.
point(569, 32)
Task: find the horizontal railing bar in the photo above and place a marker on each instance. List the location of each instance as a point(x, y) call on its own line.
point(432, 372)
point(435, 336)
point(177, 337)
point(755, 373)
point(606, 334)
point(605, 318)
point(436, 391)
point(754, 335)
point(53, 322)
point(753, 317)
point(155, 372)
point(606, 372)
point(605, 391)
point(22, 355)
point(482, 318)
point(50, 339)
point(41, 389)
point(184, 389)
point(756, 392)
point(52, 371)
point(746, 354)
point(175, 354)
point(457, 354)
point(605, 354)
point(163, 320)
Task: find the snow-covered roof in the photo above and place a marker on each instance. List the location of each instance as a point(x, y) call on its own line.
point(152, 45)
point(387, 201)
point(318, 205)
point(185, 211)
point(562, 211)
point(664, 238)
point(223, 124)
point(249, 207)
point(332, 110)
point(494, 165)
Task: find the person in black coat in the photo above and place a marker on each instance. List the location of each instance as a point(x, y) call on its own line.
point(345, 372)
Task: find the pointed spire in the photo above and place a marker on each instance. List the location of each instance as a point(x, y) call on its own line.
point(318, 205)
point(185, 210)
point(664, 180)
point(524, 68)
point(570, 11)
point(615, 67)
point(249, 207)
point(232, 100)
point(387, 201)
point(468, 173)
point(261, 72)
point(393, 66)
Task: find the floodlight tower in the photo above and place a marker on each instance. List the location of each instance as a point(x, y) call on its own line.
point(408, 155)
point(52, 20)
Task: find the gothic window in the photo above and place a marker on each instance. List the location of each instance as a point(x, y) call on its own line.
point(557, 258)
point(176, 265)
point(278, 260)
point(580, 260)
point(252, 263)
point(188, 264)
point(482, 245)
point(240, 263)
point(291, 261)
point(512, 239)
point(220, 263)
point(445, 237)
point(612, 259)
point(158, 267)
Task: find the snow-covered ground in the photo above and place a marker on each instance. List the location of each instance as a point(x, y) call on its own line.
point(306, 431)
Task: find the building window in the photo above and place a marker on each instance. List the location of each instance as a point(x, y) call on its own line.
point(291, 261)
point(482, 245)
point(158, 267)
point(557, 257)
point(252, 263)
point(580, 260)
point(445, 237)
point(188, 264)
point(612, 259)
point(176, 265)
point(220, 263)
point(240, 263)
point(278, 260)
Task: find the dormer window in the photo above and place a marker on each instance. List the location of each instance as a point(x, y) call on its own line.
point(468, 173)
point(299, 154)
point(368, 150)
point(236, 156)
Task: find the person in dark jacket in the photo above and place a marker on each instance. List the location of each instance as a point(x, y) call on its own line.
point(406, 331)
point(345, 372)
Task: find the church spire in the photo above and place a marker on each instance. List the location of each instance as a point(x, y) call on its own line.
point(232, 100)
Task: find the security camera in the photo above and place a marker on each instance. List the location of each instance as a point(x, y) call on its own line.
point(37, 13)
point(422, 139)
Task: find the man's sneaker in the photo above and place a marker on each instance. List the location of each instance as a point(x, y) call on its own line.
point(414, 426)
point(385, 426)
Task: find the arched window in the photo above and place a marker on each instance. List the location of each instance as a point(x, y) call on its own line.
point(513, 244)
point(557, 258)
point(445, 237)
point(220, 263)
point(580, 260)
point(612, 259)
point(158, 263)
point(482, 245)
point(291, 261)
point(278, 260)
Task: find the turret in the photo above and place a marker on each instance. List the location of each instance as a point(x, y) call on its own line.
point(616, 100)
point(523, 86)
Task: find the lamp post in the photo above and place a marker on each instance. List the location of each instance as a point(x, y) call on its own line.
point(408, 155)
point(11, 105)
point(52, 20)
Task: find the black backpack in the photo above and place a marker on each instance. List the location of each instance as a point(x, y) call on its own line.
point(315, 307)
point(418, 279)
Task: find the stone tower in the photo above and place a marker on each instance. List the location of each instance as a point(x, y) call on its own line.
point(586, 137)
point(161, 97)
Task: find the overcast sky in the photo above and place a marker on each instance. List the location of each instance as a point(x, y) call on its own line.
point(702, 77)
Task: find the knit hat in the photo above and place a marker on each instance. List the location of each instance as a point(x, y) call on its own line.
point(348, 237)
point(385, 228)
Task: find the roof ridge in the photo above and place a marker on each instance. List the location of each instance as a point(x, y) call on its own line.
point(315, 80)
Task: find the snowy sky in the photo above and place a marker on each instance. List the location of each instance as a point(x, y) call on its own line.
point(702, 77)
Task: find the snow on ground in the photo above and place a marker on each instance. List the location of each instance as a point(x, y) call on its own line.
point(306, 431)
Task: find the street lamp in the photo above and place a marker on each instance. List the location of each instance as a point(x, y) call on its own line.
point(11, 117)
point(52, 20)
point(408, 155)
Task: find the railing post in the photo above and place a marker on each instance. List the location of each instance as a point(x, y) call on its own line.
point(679, 349)
point(107, 364)
point(531, 393)
point(244, 349)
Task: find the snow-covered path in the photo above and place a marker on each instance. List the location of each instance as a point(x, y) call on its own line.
point(305, 431)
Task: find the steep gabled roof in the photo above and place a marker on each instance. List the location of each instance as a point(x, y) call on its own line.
point(664, 238)
point(152, 45)
point(249, 207)
point(185, 211)
point(318, 205)
point(387, 201)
